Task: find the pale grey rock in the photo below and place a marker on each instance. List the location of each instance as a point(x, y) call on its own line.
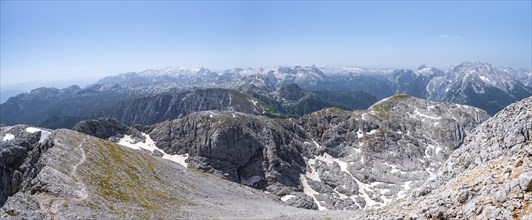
point(301, 200)
point(492, 167)
point(238, 147)
point(19, 158)
point(106, 128)
point(525, 181)
point(397, 141)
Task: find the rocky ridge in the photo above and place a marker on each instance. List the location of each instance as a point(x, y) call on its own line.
point(20, 150)
point(78, 176)
point(488, 177)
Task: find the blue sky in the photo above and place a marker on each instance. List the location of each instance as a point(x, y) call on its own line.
point(45, 42)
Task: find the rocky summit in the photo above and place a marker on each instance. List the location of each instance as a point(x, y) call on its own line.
point(366, 159)
point(488, 177)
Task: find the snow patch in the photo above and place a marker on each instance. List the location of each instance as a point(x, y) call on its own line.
point(363, 188)
point(486, 79)
point(44, 134)
point(310, 192)
point(404, 192)
point(438, 149)
point(395, 168)
point(372, 132)
point(287, 197)
point(330, 159)
point(149, 145)
point(316, 143)
point(180, 159)
point(254, 102)
point(32, 130)
point(8, 137)
point(360, 134)
point(311, 173)
point(417, 113)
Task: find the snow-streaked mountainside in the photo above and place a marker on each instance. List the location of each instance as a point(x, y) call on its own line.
point(480, 85)
point(488, 177)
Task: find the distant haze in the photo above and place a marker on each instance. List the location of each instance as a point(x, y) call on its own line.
point(83, 41)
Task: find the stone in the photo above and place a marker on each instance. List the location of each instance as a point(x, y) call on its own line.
point(106, 128)
point(463, 196)
point(19, 158)
point(525, 181)
point(301, 200)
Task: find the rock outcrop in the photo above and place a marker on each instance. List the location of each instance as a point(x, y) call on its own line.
point(488, 177)
point(366, 159)
point(20, 150)
point(253, 150)
point(106, 128)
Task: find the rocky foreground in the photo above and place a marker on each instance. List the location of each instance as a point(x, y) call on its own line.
point(363, 164)
point(64, 174)
point(488, 177)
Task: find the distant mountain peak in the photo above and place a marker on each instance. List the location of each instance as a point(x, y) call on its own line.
point(422, 66)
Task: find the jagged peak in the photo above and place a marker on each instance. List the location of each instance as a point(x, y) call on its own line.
point(478, 66)
point(422, 66)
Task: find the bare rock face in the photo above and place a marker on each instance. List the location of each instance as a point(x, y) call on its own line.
point(105, 128)
point(369, 158)
point(252, 150)
point(489, 176)
point(20, 149)
point(163, 107)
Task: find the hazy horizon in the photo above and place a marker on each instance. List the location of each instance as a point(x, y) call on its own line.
point(73, 42)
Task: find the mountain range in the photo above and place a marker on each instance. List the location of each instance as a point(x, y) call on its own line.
point(288, 91)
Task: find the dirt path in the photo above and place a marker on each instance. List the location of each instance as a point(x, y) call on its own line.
point(51, 204)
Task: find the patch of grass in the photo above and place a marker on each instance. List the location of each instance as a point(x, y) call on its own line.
point(10, 212)
point(127, 182)
point(338, 110)
point(383, 111)
point(400, 97)
point(199, 172)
